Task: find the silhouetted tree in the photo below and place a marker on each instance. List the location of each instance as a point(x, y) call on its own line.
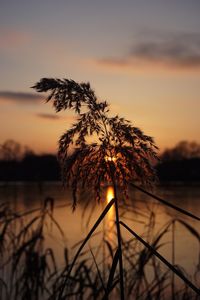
point(183, 150)
point(10, 150)
point(20, 163)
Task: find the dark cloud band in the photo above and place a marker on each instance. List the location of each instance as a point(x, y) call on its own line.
point(48, 116)
point(181, 50)
point(20, 96)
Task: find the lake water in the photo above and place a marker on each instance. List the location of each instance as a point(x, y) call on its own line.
point(136, 213)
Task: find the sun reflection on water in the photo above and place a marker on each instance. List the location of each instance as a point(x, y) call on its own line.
point(110, 214)
point(109, 197)
point(109, 194)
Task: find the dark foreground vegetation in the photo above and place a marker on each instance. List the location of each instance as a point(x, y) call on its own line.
point(31, 269)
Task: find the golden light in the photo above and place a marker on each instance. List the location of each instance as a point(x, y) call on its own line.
point(110, 158)
point(110, 215)
point(109, 194)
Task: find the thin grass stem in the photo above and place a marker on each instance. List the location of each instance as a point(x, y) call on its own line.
point(166, 202)
point(173, 259)
point(170, 266)
point(119, 240)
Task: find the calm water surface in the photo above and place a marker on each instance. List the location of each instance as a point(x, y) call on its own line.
point(23, 197)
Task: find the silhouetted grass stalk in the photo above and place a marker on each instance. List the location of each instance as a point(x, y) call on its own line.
point(119, 240)
point(99, 220)
point(173, 259)
point(170, 266)
point(33, 269)
point(120, 250)
point(179, 209)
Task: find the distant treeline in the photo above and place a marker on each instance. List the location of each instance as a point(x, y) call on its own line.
point(31, 168)
point(179, 170)
point(181, 163)
point(18, 163)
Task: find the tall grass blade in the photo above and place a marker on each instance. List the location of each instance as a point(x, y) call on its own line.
point(191, 229)
point(111, 274)
point(103, 214)
point(166, 202)
point(109, 248)
point(98, 271)
point(170, 266)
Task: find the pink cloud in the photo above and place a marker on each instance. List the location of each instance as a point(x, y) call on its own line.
point(10, 38)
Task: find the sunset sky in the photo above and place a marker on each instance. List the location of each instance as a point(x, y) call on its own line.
point(143, 57)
